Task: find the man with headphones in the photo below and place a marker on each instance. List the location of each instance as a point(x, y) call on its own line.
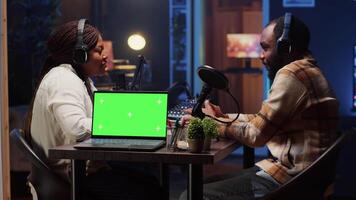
point(297, 121)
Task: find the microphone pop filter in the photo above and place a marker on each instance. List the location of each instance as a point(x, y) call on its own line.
point(213, 77)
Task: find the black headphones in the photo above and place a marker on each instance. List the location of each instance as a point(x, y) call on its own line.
point(283, 43)
point(80, 53)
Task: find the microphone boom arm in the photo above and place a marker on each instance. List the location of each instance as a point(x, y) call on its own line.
point(137, 74)
point(197, 109)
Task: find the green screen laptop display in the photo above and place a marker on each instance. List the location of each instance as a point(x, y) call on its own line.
point(129, 114)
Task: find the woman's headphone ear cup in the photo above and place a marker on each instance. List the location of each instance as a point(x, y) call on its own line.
point(80, 53)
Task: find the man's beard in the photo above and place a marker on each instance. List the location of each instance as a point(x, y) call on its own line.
point(272, 71)
point(271, 75)
point(273, 66)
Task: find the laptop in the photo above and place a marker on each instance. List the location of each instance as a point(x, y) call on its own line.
point(128, 120)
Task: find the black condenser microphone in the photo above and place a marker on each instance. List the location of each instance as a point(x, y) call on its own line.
point(137, 74)
point(212, 78)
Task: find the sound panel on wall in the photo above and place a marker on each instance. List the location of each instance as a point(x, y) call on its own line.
point(354, 80)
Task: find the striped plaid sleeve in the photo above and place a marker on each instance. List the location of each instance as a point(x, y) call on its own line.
point(286, 95)
point(242, 117)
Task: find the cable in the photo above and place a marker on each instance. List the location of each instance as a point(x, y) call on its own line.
point(238, 110)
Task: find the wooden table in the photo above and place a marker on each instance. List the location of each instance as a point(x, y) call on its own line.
point(164, 156)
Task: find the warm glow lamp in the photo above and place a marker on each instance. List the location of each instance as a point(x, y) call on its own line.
point(136, 42)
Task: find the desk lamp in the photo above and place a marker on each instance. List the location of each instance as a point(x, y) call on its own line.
point(137, 42)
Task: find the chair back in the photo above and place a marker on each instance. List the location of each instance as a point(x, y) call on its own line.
point(312, 182)
point(47, 184)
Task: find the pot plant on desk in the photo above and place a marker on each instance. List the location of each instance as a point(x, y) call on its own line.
point(195, 136)
point(210, 128)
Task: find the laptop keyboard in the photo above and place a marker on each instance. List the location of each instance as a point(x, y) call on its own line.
point(128, 142)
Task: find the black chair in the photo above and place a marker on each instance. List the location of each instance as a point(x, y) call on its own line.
point(312, 182)
point(47, 184)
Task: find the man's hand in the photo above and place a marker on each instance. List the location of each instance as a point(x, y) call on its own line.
point(185, 119)
point(213, 110)
point(210, 109)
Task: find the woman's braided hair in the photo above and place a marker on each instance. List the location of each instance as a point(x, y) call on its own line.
point(60, 45)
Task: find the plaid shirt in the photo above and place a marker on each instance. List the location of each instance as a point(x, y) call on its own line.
point(297, 121)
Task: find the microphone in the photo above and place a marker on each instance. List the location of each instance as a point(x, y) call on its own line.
point(212, 78)
point(137, 74)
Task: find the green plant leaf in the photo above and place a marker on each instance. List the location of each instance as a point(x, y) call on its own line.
point(195, 129)
point(210, 127)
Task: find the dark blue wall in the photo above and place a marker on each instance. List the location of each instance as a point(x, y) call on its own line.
point(333, 34)
point(121, 18)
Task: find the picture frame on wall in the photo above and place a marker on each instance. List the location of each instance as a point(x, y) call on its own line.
point(298, 3)
point(179, 2)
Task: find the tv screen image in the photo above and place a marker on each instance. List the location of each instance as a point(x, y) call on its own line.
point(243, 45)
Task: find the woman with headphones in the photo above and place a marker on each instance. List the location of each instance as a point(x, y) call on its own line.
point(61, 111)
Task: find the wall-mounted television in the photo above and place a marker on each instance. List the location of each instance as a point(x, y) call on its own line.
point(243, 45)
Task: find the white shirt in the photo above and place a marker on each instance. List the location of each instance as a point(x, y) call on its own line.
point(62, 113)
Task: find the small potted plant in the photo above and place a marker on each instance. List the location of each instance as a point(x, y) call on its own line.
point(195, 136)
point(210, 128)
